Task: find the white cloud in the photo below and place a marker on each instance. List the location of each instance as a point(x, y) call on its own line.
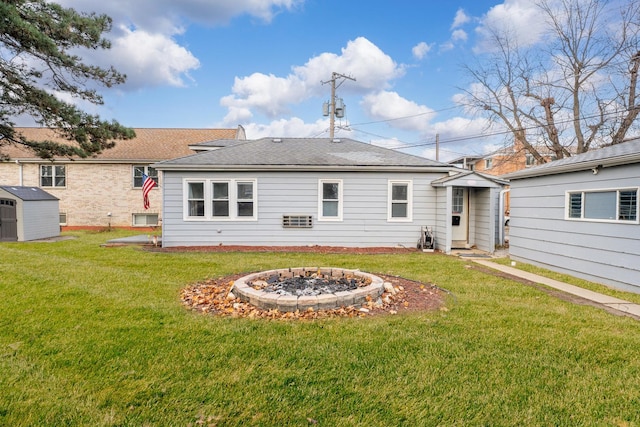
point(361, 59)
point(143, 38)
point(140, 12)
point(272, 95)
point(421, 50)
point(459, 35)
point(150, 59)
point(269, 94)
point(521, 19)
point(384, 105)
point(293, 127)
point(460, 19)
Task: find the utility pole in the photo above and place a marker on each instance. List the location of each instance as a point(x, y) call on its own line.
point(437, 147)
point(333, 112)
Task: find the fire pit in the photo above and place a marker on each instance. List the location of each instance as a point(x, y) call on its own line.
point(291, 289)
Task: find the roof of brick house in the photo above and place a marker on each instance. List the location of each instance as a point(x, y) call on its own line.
point(150, 144)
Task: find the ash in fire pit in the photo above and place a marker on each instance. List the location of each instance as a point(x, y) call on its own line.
point(309, 284)
point(311, 287)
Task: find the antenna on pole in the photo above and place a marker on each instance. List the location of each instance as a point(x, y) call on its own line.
point(335, 107)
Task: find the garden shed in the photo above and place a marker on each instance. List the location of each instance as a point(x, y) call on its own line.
point(579, 215)
point(27, 213)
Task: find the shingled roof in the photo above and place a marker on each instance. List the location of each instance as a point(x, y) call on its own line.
point(614, 155)
point(295, 153)
point(149, 145)
point(28, 193)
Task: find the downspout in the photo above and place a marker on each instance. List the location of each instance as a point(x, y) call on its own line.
point(501, 215)
point(20, 172)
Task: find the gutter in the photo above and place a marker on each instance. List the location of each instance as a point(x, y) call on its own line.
point(283, 168)
point(575, 167)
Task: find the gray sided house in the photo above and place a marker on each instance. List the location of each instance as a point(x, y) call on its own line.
point(327, 192)
point(579, 216)
point(27, 213)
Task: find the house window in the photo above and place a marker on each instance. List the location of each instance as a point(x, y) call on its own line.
point(145, 220)
point(195, 199)
point(137, 175)
point(529, 160)
point(52, 176)
point(244, 197)
point(62, 218)
point(330, 203)
point(603, 205)
point(488, 163)
point(399, 201)
point(457, 203)
point(221, 199)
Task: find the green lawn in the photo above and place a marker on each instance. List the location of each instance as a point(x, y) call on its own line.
point(97, 336)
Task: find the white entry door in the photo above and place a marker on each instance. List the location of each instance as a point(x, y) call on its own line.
point(460, 216)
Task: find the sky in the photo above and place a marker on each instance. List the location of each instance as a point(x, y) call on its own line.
point(265, 64)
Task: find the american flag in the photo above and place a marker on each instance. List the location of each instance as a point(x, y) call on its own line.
point(147, 184)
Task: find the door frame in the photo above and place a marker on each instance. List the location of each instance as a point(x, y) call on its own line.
point(8, 220)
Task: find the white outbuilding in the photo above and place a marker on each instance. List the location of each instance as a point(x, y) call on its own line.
point(27, 213)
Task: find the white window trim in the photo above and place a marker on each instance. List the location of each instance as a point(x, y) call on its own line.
point(208, 200)
point(567, 206)
point(146, 171)
point(145, 214)
point(409, 217)
point(53, 176)
point(321, 216)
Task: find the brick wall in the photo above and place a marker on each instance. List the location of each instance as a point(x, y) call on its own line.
point(91, 192)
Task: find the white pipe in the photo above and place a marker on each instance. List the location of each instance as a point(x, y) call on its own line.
point(501, 214)
point(20, 172)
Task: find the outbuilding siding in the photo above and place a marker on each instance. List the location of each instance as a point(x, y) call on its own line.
point(40, 220)
point(604, 252)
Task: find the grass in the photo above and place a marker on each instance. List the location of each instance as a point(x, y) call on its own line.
point(631, 297)
point(97, 336)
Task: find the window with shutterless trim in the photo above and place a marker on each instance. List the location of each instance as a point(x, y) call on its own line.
point(330, 200)
point(220, 199)
point(400, 201)
point(53, 176)
point(139, 170)
point(607, 205)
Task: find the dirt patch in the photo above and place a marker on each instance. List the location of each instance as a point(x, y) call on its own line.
point(309, 248)
point(214, 297)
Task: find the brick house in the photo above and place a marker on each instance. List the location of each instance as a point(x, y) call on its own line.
point(504, 161)
point(105, 190)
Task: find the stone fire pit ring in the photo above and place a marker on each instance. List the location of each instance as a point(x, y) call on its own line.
point(371, 286)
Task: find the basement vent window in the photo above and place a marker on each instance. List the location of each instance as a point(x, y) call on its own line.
point(297, 221)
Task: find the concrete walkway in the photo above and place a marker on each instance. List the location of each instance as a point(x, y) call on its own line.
point(617, 304)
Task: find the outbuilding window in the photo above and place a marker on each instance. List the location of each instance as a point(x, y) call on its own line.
point(611, 205)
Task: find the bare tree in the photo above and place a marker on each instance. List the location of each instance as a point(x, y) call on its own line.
point(571, 91)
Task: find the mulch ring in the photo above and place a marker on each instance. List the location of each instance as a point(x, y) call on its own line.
point(212, 297)
point(306, 249)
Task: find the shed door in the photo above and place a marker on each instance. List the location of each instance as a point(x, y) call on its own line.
point(8, 221)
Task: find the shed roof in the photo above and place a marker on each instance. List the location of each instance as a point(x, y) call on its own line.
point(149, 145)
point(28, 193)
point(614, 155)
point(293, 153)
